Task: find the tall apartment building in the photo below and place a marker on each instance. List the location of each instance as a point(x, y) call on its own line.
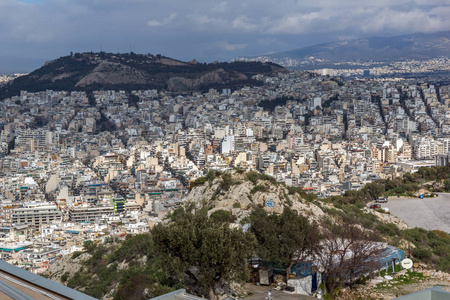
point(35, 214)
point(428, 148)
point(90, 213)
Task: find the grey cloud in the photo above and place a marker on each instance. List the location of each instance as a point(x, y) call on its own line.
point(202, 29)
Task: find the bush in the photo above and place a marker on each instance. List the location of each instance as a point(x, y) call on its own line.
point(252, 176)
point(227, 181)
point(236, 205)
point(65, 276)
point(389, 229)
point(210, 175)
point(89, 246)
point(197, 182)
point(221, 216)
point(422, 253)
point(240, 171)
point(258, 188)
point(200, 180)
point(76, 254)
point(418, 236)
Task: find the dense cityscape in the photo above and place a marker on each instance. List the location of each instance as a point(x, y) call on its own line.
point(224, 150)
point(77, 165)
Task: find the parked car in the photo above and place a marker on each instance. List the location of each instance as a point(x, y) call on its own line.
point(375, 206)
point(381, 200)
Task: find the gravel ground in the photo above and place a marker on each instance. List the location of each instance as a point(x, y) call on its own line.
point(260, 293)
point(428, 213)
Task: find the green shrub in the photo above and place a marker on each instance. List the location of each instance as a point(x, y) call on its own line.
point(258, 188)
point(200, 180)
point(228, 181)
point(221, 216)
point(210, 175)
point(418, 236)
point(65, 276)
point(422, 253)
point(252, 176)
point(89, 246)
point(76, 254)
point(240, 171)
point(389, 229)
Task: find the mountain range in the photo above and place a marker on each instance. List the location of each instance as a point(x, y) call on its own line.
point(417, 46)
point(130, 71)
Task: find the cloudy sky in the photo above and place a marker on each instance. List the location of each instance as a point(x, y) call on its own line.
point(33, 31)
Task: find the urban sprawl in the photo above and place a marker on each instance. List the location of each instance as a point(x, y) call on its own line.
point(80, 166)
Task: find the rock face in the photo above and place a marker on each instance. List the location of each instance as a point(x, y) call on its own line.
point(110, 73)
point(242, 196)
point(66, 265)
point(388, 218)
point(217, 77)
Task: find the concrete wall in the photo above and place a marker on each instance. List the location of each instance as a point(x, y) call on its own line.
point(302, 285)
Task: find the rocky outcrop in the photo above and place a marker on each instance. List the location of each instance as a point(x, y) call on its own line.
point(170, 62)
point(109, 73)
point(67, 264)
point(387, 218)
point(243, 196)
point(217, 77)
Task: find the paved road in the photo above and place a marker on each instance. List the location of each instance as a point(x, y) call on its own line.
point(428, 213)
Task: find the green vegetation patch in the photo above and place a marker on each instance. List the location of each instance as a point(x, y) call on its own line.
point(101, 273)
point(408, 278)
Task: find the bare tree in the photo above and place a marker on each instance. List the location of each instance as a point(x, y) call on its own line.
point(346, 252)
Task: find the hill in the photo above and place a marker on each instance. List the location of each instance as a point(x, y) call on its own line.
point(94, 71)
point(191, 241)
point(417, 46)
point(133, 268)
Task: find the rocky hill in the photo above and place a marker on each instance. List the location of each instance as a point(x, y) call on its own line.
point(241, 193)
point(134, 269)
point(93, 71)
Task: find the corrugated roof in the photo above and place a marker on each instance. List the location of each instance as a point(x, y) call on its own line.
point(43, 282)
point(12, 292)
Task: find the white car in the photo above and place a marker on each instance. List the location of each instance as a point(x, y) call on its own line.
point(381, 200)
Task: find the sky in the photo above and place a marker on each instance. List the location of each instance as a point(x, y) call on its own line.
point(34, 31)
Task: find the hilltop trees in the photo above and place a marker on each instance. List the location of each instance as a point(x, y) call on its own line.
point(203, 251)
point(283, 239)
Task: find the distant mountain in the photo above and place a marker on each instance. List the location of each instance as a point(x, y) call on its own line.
point(94, 71)
point(418, 46)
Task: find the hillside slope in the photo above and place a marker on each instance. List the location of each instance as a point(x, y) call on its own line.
point(134, 269)
point(94, 71)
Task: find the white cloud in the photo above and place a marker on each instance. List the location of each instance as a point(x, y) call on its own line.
point(156, 23)
point(199, 28)
point(241, 23)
